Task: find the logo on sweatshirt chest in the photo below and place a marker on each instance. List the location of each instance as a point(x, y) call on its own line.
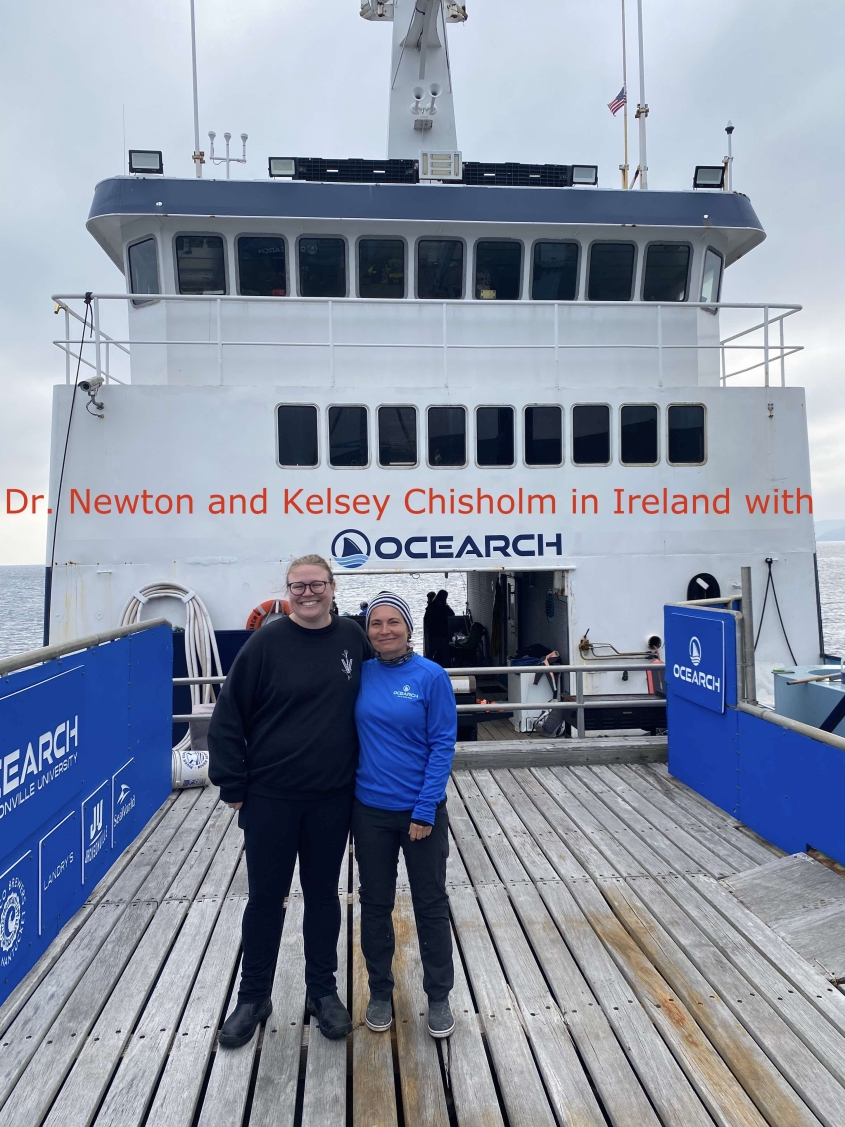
point(346, 664)
point(406, 693)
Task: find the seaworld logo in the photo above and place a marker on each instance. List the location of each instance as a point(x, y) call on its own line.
point(350, 548)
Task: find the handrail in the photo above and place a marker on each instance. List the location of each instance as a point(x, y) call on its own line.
point(49, 653)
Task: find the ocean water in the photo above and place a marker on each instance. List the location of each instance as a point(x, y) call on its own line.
point(22, 598)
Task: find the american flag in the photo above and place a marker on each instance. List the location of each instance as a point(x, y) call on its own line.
point(618, 102)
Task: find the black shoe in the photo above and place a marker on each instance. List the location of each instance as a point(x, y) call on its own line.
point(379, 1015)
point(332, 1016)
point(441, 1023)
point(242, 1022)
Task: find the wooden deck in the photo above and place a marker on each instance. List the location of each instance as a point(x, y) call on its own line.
point(606, 974)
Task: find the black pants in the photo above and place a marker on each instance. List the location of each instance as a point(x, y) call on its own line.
point(275, 831)
point(379, 834)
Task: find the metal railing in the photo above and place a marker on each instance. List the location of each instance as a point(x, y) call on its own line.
point(771, 325)
point(62, 649)
point(579, 704)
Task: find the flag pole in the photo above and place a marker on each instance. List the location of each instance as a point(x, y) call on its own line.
point(642, 107)
point(624, 167)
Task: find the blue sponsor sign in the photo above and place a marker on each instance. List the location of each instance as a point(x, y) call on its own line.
point(695, 657)
point(85, 761)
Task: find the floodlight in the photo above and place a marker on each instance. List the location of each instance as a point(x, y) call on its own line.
point(146, 162)
point(709, 176)
point(282, 166)
point(585, 174)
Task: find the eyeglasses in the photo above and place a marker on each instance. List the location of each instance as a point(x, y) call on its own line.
point(316, 588)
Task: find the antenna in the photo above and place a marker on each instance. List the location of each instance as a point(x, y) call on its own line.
point(198, 157)
point(227, 160)
point(729, 159)
point(642, 107)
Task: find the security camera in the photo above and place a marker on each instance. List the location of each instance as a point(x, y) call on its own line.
point(91, 384)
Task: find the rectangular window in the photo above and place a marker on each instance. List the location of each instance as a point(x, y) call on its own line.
point(348, 436)
point(296, 427)
point(322, 267)
point(686, 434)
point(638, 434)
point(440, 269)
point(261, 266)
point(143, 268)
point(711, 282)
point(543, 436)
point(381, 268)
point(591, 434)
point(397, 436)
point(494, 436)
point(447, 436)
point(611, 272)
point(200, 264)
point(666, 272)
point(555, 273)
point(498, 269)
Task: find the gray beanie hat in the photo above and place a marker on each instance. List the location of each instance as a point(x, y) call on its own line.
point(389, 599)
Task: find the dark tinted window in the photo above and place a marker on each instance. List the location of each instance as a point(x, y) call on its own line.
point(297, 429)
point(397, 436)
point(543, 436)
point(666, 272)
point(638, 434)
point(591, 434)
point(261, 267)
point(348, 436)
point(381, 268)
point(143, 268)
point(447, 436)
point(322, 268)
point(555, 273)
point(200, 264)
point(611, 272)
point(711, 282)
point(686, 434)
point(494, 436)
point(440, 268)
point(498, 265)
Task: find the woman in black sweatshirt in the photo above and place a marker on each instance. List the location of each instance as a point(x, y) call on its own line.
point(283, 750)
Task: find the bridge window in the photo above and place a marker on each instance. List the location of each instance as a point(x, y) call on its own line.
point(498, 269)
point(543, 436)
point(686, 434)
point(666, 272)
point(397, 436)
point(591, 434)
point(322, 267)
point(638, 434)
point(381, 268)
point(447, 436)
point(611, 271)
point(200, 264)
point(348, 445)
point(261, 266)
point(296, 429)
point(143, 268)
point(711, 282)
point(555, 272)
point(494, 436)
point(440, 269)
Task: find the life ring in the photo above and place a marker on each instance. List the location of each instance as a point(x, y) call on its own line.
point(269, 606)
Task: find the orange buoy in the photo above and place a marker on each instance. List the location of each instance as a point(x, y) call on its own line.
point(269, 606)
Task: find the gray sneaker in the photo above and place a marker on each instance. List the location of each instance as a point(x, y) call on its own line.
point(379, 1015)
point(441, 1023)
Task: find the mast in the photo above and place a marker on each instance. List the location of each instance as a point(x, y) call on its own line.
point(642, 108)
point(623, 168)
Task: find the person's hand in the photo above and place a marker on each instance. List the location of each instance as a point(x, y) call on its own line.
point(234, 805)
point(418, 832)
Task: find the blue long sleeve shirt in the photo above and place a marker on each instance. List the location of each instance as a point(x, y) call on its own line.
point(407, 726)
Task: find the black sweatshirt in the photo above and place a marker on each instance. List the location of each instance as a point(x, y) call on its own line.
point(284, 725)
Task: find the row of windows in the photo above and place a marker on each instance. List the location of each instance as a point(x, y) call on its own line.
point(263, 268)
point(397, 428)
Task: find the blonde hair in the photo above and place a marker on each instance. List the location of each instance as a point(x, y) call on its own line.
point(311, 560)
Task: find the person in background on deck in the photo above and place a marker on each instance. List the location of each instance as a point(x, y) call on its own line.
point(436, 628)
point(283, 750)
point(407, 724)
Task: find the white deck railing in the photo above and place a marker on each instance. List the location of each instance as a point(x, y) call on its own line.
point(764, 339)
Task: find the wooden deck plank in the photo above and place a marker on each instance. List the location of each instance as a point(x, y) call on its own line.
point(519, 751)
point(787, 887)
point(819, 935)
point(225, 1099)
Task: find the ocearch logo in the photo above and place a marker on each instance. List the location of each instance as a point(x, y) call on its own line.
point(692, 675)
point(695, 651)
point(350, 548)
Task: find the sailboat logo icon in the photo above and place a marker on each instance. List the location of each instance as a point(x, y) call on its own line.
point(695, 651)
point(350, 548)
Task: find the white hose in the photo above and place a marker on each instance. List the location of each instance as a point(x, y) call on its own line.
point(190, 767)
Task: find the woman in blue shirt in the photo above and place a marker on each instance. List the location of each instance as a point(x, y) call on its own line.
point(406, 719)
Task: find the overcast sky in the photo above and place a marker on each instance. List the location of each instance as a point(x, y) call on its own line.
point(532, 82)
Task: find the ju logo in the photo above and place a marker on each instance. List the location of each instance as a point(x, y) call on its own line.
point(695, 651)
point(96, 825)
point(350, 548)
